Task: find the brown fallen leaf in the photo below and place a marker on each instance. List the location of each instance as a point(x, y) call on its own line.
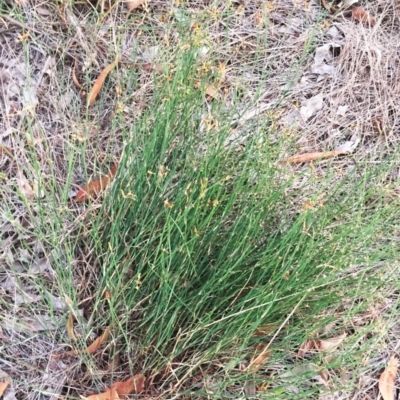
point(324, 374)
point(95, 187)
point(135, 384)
point(3, 387)
point(300, 158)
point(99, 82)
point(265, 330)
point(6, 151)
point(109, 394)
point(306, 347)
point(90, 349)
point(257, 362)
point(378, 125)
point(330, 344)
point(70, 328)
point(24, 185)
point(75, 79)
point(212, 91)
point(387, 379)
point(133, 4)
point(360, 14)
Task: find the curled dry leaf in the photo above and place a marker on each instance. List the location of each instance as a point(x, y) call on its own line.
point(133, 4)
point(360, 14)
point(24, 185)
point(75, 79)
point(324, 374)
point(90, 349)
point(3, 386)
point(212, 91)
point(95, 187)
point(300, 158)
point(311, 106)
point(257, 362)
point(70, 328)
point(378, 125)
point(387, 379)
point(6, 151)
point(265, 330)
point(121, 389)
point(135, 384)
point(99, 82)
point(349, 146)
point(107, 395)
point(332, 343)
point(306, 347)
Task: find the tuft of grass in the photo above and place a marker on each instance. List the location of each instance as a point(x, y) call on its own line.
point(199, 246)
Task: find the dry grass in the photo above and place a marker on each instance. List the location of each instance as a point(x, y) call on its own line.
point(268, 51)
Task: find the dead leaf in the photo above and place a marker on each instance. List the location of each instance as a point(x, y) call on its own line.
point(24, 185)
point(300, 158)
point(323, 56)
point(75, 79)
point(378, 125)
point(331, 344)
point(6, 151)
point(306, 347)
point(257, 362)
point(133, 4)
point(265, 330)
point(99, 82)
point(135, 384)
point(311, 106)
point(3, 386)
point(95, 187)
point(109, 394)
point(387, 379)
point(349, 146)
point(324, 374)
point(360, 14)
point(70, 328)
point(90, 349)
point(212, 91)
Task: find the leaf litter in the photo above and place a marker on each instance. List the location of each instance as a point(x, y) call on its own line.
point(387, 379)
point(326, 345)
point(258, 361)
point(92, 348)
point(92, 96)
point(94, 188)
point(118, 390)
point(3, 386)
point(316, 155)
point(7, 391)
point(134, 4)
point(360, 14)
point(311, 106)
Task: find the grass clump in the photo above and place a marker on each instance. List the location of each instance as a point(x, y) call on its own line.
point(199, 244)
